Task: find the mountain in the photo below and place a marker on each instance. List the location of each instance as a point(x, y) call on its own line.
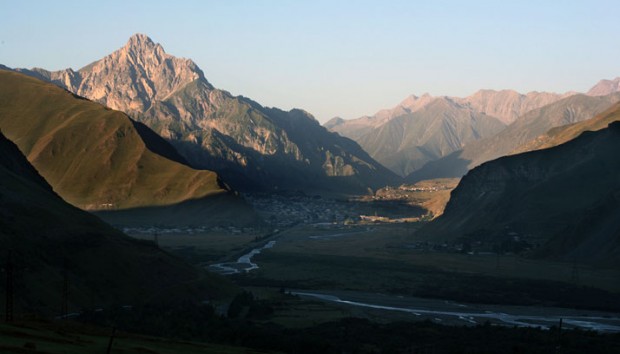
point(605, 87)
point(399, 137)
point(564, 202)
point(99, 159)
point(357, 128)
point(48, 237)
point(405, 143)
point(508, 105)
point(560, 135)
point(250, 146)
point(569, 110)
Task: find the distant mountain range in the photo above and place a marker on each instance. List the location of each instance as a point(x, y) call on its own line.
point(564, 201)
point(407, 142)
point(516, 136)
point(47, 238)
point(250, 146)
point(101, 160)
point(421, 143)
point(426, 128)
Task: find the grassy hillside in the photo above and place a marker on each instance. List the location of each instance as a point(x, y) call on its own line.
point(97, 158)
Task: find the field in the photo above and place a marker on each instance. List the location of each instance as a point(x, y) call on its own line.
point(394, 247)
point(202, 247)
point(386, 259)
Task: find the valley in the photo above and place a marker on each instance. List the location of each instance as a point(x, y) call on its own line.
point(144, 208)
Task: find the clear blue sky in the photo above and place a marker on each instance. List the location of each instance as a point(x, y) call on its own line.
point(335, 58)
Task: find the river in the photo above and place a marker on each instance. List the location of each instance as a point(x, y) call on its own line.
point(448, 312)
point(243, 264)
point(473, 314)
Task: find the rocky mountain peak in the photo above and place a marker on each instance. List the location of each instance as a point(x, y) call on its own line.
point(141, 45)
point(413, 102)
point(605, 87)
point(132, 78)
point(140, 40)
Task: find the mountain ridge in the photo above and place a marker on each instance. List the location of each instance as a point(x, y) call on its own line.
point(574, 108)
point(413, 153)
point(246, 143)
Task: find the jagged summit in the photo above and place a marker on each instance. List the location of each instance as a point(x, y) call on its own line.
point(132, 78)
point(141, 47)
point(140, 40)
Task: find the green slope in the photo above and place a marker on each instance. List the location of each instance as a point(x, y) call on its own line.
point(97, 158)
point(47, 236)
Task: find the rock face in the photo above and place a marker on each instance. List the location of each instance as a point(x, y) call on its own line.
point(250, 146)
point(433, 127)
point(563, 201)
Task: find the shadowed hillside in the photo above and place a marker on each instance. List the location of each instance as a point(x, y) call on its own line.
point(563, 202)
point(48, 237)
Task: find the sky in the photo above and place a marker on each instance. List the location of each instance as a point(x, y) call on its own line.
point(335, 58)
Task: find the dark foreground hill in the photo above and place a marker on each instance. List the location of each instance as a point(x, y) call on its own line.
point(563, 202)
point(99, 159)
point(46, 238)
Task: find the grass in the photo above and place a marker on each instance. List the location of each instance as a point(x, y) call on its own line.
point(379, 260)
point(202, 247)
point(73, 142)
point(74, 338)
point(392, 243)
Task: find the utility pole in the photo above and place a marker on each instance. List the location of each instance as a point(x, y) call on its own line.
point(111, 341)
point(64, 307)
point(558, 349)
point(9, 288)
